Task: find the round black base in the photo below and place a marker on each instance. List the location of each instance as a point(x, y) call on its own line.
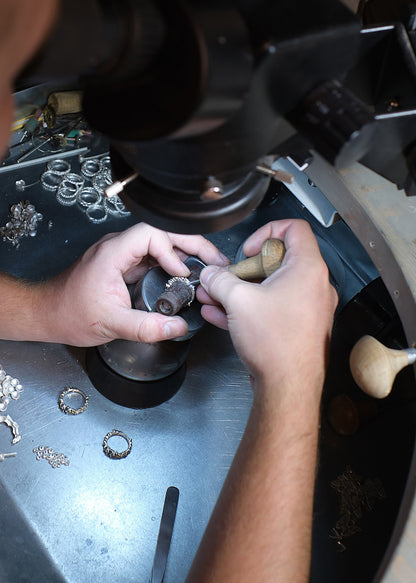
point(129, 393)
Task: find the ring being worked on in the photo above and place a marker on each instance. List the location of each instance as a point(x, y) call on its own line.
point(65, 407)
point(112, 453)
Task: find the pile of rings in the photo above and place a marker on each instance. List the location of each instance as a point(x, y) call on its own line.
point(86, 190)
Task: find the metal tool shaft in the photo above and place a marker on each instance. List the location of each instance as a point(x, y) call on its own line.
point(165, 534)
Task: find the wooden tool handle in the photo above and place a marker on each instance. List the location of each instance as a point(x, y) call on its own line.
point(263, 264)
point(374, 366)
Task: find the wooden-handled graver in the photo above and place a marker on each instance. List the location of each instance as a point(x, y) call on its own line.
point(374, 366)
point(263, 264)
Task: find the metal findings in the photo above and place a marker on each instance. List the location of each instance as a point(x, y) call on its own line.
point(65, 408)
point(3, 456)
point(112, 453)
point(10, 388)
point(56, 460)
point(23, 222)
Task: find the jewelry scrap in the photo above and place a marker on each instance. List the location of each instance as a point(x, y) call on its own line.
point(65, 408)
point(13, 426)
point(112, 453)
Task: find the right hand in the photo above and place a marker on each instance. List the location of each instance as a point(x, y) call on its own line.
point(282, 326)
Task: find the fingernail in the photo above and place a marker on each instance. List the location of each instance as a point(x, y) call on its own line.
point(207, 272)
point(224, 259)
point(173, 329)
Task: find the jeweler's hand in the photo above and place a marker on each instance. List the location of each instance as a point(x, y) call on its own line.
point(280, 327)
point(89, 303)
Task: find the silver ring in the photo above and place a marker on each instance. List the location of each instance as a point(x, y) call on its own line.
point(66, 199)
point(50, 180)
point(96, 213)
point(112, 453)
point(88, 196)
point(105, 163)
point(101, 180)
point(65, 408)
point(59, 166)
point(90, 168)
point(75, 179)
point(115, 206)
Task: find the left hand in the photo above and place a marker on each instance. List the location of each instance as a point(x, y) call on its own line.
point(89, 303)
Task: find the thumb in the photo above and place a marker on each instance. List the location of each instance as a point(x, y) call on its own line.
point(219, 283)
point(140, 326)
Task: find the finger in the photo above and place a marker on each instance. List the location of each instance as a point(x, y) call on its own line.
point(215, 315)
point(139, 271)
point(296, 234)
point(201, 247)
point(203, 297)
point(220, 284)
point(143, 239)
point(140, 326)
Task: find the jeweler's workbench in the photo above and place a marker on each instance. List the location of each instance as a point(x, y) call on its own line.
point(72, 514)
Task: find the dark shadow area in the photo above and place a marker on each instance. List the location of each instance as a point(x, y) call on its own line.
point(363, 468)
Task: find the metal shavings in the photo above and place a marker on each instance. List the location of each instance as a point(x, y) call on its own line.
point(56, 460)
point(23, 222)
point(356, 497)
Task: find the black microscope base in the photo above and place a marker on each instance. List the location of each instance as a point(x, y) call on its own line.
point(128, 392)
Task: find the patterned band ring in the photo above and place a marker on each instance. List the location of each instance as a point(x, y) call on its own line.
point(112, 453)
point(65, 408)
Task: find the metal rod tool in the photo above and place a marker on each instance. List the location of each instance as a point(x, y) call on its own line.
point(165, 534)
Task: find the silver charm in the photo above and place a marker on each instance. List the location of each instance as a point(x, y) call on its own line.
point(56, 460)
point(112, 453)
point(13, 426)
point(65, 408)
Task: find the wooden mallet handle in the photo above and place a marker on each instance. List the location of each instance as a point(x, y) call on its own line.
point(374, 366)
point(263, 264)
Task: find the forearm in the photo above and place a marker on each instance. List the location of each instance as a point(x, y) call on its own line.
point(261, 527)
point(24, 310)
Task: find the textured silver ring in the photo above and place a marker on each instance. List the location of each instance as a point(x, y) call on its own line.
point(90, 168)
point(112, 453)
point(101, 180)
point(96, 213)
point(88, 196)
point(50, 180)
point(65, 408)
point(59, 167)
